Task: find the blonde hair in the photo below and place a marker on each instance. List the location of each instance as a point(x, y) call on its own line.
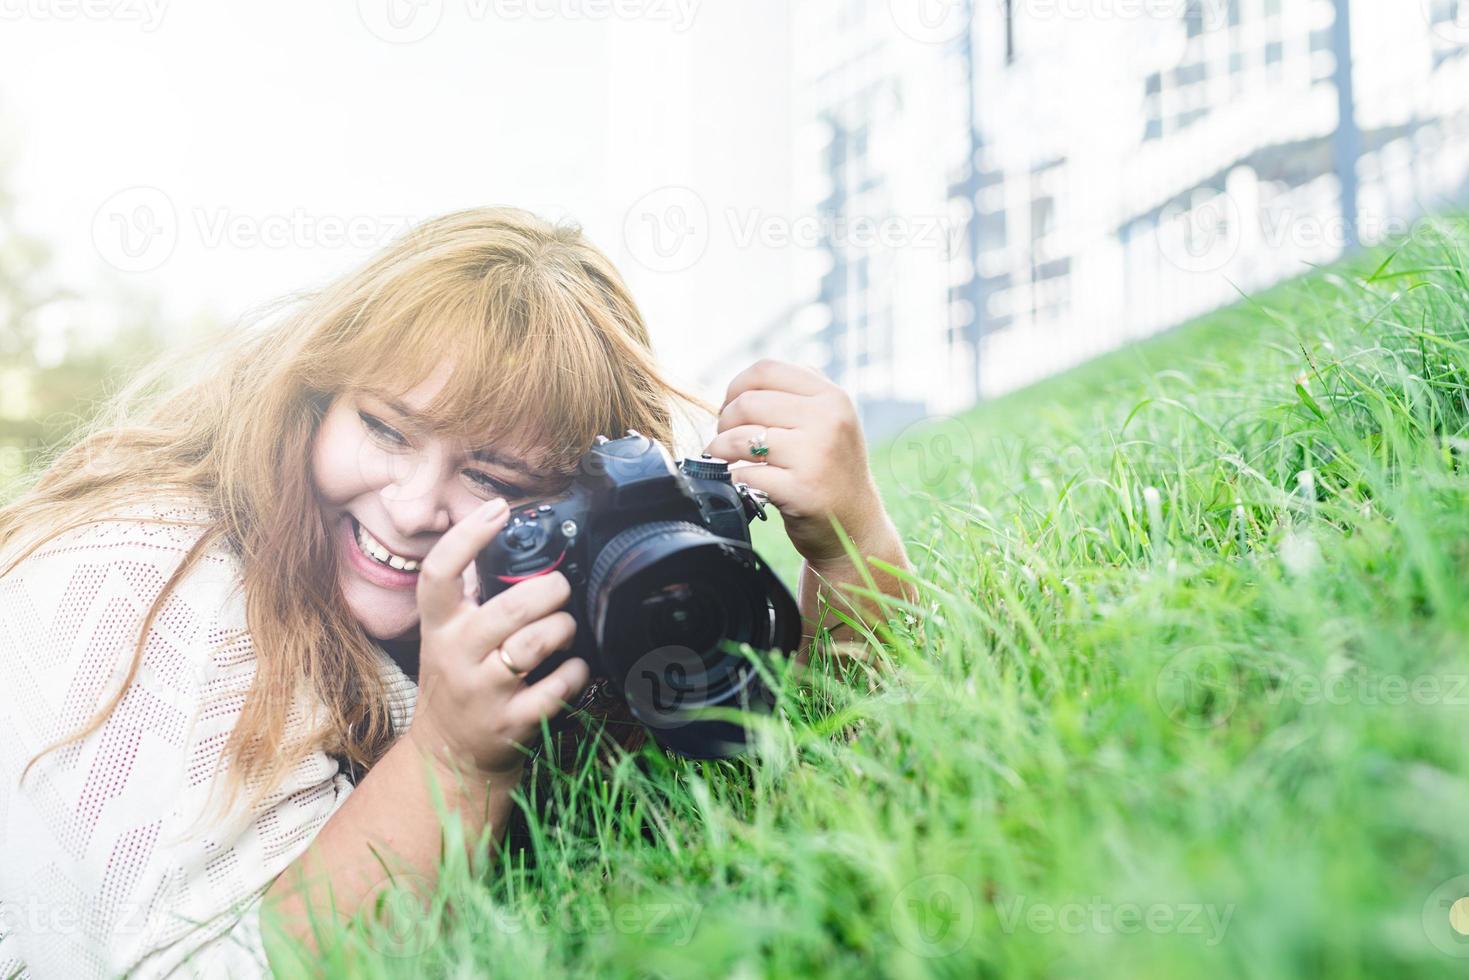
point(542, 336)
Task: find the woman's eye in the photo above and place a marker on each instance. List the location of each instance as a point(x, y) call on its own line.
point(382, 430)
point(498, 487)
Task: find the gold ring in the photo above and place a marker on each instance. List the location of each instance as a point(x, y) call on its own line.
point(505, 659)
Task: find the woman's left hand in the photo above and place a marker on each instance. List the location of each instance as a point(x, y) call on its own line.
point(816, 469)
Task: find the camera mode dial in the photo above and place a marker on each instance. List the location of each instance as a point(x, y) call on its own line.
point(707, 467)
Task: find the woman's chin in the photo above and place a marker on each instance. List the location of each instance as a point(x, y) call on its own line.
point(381, 613)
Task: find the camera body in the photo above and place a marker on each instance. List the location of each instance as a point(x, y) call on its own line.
point(663, 582)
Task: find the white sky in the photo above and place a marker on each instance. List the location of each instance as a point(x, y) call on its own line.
point(296, 122)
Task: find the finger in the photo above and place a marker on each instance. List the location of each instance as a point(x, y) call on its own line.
point(517, 607)
point(441, 575)
point(736, 444)
point(779, 485)
point(761, 406)
point(528, 646)
point(777, 375)
point(551, 695)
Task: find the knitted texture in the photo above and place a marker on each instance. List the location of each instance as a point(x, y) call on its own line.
point(109, 863)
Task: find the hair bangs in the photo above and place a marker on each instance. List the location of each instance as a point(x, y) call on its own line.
point(521, 363)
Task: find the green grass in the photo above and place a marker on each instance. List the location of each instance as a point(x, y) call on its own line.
point(1190, 694)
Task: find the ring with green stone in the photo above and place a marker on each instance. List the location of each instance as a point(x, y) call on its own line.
point(758, 447)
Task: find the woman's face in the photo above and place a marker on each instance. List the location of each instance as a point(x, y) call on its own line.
point(389, 487)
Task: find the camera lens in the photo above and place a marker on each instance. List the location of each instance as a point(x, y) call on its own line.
point(684, 614)
point(670, 603)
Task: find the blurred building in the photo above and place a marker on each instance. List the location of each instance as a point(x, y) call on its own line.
point(1005, 188)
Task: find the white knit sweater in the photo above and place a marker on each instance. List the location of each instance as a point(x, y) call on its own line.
point(105, 868)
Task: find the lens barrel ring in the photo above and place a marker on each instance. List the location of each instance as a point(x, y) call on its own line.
point(622, 544)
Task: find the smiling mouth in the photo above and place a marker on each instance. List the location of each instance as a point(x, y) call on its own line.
point(375, 550)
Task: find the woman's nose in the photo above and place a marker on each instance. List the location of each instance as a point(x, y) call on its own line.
point(418, 503)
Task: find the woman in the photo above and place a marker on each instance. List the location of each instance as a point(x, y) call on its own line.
point(215, 609)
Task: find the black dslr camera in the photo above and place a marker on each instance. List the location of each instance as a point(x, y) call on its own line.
point(664, 586)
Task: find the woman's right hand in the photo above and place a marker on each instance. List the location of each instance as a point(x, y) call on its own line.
point(473, 713)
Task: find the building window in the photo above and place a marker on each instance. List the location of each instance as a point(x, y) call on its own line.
point(1009, 32)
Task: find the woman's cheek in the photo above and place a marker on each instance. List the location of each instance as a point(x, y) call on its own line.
point(346, 464)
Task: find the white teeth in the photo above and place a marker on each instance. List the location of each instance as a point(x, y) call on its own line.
point(374, 549)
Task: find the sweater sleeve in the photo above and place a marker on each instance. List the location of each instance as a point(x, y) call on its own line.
point(116, 858)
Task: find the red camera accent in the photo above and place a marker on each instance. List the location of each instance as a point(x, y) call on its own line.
point(512, 579)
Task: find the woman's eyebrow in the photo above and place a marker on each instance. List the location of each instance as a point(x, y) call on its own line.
point(509, 462)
